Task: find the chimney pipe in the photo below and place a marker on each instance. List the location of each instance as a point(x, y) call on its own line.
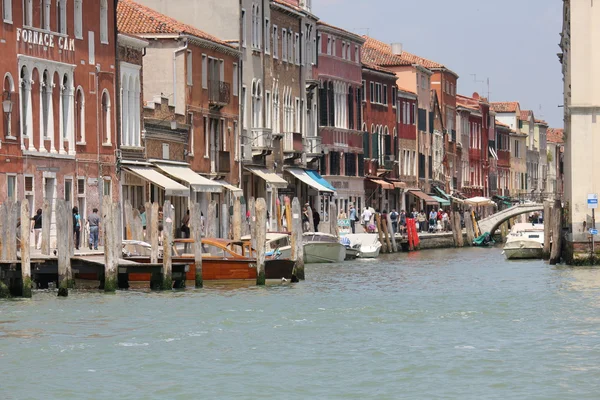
point(397, 48)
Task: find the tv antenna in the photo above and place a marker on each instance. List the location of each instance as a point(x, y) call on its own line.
point(486, 82)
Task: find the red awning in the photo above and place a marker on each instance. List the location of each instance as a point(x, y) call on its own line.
point(423, 196)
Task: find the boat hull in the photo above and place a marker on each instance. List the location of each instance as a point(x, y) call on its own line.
point(323, 252)
point(351, 253)
point(369, 251)
point(278, 268)
point(520, 249)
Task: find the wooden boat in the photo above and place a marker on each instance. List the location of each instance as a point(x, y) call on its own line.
point(278, 252)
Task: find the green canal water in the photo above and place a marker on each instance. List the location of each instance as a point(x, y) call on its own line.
point(441, 324)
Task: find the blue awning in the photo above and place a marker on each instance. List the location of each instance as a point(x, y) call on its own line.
point(315, 175)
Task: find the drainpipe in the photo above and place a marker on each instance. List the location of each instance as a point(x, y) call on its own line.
point(185, 46)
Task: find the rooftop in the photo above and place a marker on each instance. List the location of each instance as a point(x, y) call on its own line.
point(505, 106)
point(555, 135)
point(379, 53)
point(525, 115)
point(136, 19)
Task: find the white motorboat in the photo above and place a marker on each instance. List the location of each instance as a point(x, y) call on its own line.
point(277, 245)
point(368, 243)
point(524, 241)
point(322, 248)
point(352, 252)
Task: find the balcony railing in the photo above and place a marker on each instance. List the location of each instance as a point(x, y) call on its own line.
point(312, 145)
point(224, 164)
point(292, 142)
point(261, 140)
point(218, 93)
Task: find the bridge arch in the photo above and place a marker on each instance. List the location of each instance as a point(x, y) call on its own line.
point(491, 223)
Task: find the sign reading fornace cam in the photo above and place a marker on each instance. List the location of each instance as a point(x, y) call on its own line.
point(45, 39)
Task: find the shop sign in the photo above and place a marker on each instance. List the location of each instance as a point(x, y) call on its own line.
point(46, 39)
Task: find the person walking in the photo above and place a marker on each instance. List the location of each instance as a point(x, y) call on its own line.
point(94, 226)
point(366, 218)
point(37, 229)
point(185, 225)
point(143, 219)
point(305, 219)
point(76, 227)
point(394, 218)
point(353, 218)
point(422, 219)
point(316, 220)
point(432, 221)
point(402, 222)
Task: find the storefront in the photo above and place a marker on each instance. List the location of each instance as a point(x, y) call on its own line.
point(419, 200)
point(313, 189)
point(349, 190)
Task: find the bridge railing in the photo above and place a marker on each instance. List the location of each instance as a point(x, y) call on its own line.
point(534, 197)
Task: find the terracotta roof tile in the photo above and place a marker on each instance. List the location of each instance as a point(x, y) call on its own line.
point(377, 68)
point(525, 115)
point(505, 106)
point(467, 102)
point(498, 123)
point(555, 135)
point(134, 18)
point(379, 53)
point(414, 59)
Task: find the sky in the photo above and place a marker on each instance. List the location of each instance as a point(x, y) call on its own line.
point(513, 43)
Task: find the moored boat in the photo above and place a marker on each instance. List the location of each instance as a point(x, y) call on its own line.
point(368, 244)
point(322, 248)
point(524, 241)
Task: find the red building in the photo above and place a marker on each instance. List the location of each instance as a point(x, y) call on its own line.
point(339, 73)
point(478, 152)
point(380, 138)
point(59, 131)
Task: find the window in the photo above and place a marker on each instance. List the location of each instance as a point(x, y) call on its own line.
point(319, 43)
point(268, 109)
point(348, 52)
point(207, 132)
point(364, 92)
point(91, 48)
point(235, 79)
point(130, 105)
point(412, 114)
point(45, 15)
point(61, 16)
point(11, 182)
point(343, 50)
point(333, 47)
point(204, 72)
point(244, 105)
point(378, 93)
point(329, 45)
point(356, 57)
point(69, 190)
point(191, 144)
point(105, 120)
point(394, 96)
point(297, 48)
point(9, 88)
point(423, 82)
point(7, 11)
point(256, 26)
point(46, 98)
point(106, 187)
point(275, 42)
point(25, 88)
point(189, 61)
point(284, 47)
point(28, 12)
point(385, 98)
point(78, 17)
point(243, 28)
point(79, 116)
point(267, 38)
point(103, 21)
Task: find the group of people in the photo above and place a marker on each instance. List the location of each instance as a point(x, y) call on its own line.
point(306, 219)
point(93, 223)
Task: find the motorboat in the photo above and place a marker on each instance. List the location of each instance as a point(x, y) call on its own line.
point(368, 244)
point(524, 241)
point(322, 248)
point(352, 251)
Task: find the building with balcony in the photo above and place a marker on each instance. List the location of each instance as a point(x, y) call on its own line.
point(406, 115)
point(59, 129)
point(555, 161)
point(526, 126)
point(190, 89)
point(502, 143)
point(340, 156)
point(540, 137)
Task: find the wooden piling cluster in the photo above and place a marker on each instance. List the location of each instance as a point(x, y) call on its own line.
point(555, 252)
point(294, 214)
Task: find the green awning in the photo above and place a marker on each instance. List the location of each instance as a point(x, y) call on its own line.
point(443, 202)
point(441, 193)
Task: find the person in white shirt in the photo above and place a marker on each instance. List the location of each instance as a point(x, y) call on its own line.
point(366, 217)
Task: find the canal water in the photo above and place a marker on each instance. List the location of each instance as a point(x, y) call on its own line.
point(439, 324)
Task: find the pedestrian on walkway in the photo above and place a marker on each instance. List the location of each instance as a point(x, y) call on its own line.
point(316, 220)
point(94, 226)
point(394, 218)
point(353, 218)
point(37, 229)
point(185, 225)
point(422, 219)
point(143, 219)
point(366, 218)
point(76, 227)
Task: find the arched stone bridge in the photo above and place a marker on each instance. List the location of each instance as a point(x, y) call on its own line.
point(491, 223)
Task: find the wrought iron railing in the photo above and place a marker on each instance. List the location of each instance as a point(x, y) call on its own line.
point(218, 93)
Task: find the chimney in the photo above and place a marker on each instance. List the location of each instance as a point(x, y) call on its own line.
point(397, 48)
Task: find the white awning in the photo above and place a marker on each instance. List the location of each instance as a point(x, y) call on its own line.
point(171, 187)
point(304, 177)
point(236, 191)
point(197, 182)
point(272, 178)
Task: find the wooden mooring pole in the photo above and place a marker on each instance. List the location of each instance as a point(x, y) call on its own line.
point(251, 208)
point(152, 229)
point(63, 221)
point(196, 231)
point(390, 229)
point(556, 233)
point(333, 228)
point(288, 213)
point(46, 223)
point(469, 227)
point(224, 221)
point(111, 260)
point(297, 244)
point(167, 273)
point(548, 211)
point(380, 233)
point(25, 250)
point(261, 231)
point(237, 219)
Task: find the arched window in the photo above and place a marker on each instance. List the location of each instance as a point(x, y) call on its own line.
point(137, 132)
point(125, 110)
point(80, 116)
point(25, 88)
point(258, 105)
point(105, 118)
point(45, 95)
point(103, 21)
point(253, 102)
point(9, 88)
point(27, 12)
point(64, 92)
point(132, 112)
